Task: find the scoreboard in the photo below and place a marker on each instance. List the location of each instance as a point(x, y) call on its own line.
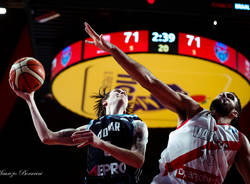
point(200, 66)
point(160, 42)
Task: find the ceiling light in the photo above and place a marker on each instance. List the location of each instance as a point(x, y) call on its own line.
point(215, 22)
point(3, 10)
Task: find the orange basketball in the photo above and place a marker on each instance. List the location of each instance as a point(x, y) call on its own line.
point(27, 74)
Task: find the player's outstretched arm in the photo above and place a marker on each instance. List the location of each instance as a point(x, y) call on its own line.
point(62, 137)
point(172, 100)
point(243, 159)
point(133, 157)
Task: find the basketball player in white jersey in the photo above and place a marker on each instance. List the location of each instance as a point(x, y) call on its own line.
point(204, 146)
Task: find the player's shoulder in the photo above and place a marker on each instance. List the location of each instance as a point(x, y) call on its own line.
point(131, 117)
point(135, 117)
point(138, 123)
point(190, 106)
point(245, 142)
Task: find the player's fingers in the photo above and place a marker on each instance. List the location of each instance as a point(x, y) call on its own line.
point(90, 42)
point(82, 145)
point(80, 132)
point(10, 84)
point(79, 140)
point(90, 31)
point(103, 41)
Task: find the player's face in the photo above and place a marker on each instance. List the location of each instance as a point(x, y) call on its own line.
point(118, 96)
point(224, 103)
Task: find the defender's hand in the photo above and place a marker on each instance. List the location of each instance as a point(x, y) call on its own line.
point(98, 40)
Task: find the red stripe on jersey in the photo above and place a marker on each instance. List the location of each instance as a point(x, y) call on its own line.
point(198, 152)
point(182, 124)
point(181, 160)
point(222, 124)
point(93, 171)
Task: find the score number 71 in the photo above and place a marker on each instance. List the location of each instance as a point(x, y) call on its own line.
point(129, 34)
point(192, 38)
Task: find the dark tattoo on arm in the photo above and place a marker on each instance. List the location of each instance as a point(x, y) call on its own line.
point(140, 137)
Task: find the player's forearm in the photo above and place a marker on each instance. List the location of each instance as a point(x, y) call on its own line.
point(243, 159)
point(244, 172)
point(129, 157)
point(40, 125)
point(62, 137)
point(133, 68)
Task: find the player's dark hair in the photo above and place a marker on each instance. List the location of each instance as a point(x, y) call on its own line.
point(235, 121)
point(100, 97)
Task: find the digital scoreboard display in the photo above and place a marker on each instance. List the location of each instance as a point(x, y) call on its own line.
point(144, 41)
point(200, 66)
point(169, 43)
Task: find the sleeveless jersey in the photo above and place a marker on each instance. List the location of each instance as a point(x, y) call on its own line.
point(102, 167)
point(199, 151)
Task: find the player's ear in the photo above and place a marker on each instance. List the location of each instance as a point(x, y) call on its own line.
point(234, 114)
point(105, 103)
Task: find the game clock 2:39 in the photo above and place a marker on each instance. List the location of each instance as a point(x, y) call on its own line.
point(163, 42)
point(163, 37)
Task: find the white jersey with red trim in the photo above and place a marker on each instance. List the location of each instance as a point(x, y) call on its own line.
point(199, 151)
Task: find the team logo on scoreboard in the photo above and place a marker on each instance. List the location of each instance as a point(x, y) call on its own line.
point(66, 55)
point(221, 52)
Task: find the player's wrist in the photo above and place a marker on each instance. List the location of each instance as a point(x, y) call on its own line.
point(99, 143)
point(29, 99)
point(113, 49)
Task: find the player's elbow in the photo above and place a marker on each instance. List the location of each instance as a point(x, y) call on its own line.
point(47, 139)
point(139, 162)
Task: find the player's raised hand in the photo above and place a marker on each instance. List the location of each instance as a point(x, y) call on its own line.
point(98, 40)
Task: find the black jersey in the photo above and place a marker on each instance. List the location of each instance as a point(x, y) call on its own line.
point(102, 167)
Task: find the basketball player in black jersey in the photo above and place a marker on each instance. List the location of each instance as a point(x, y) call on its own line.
point(117, 141)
